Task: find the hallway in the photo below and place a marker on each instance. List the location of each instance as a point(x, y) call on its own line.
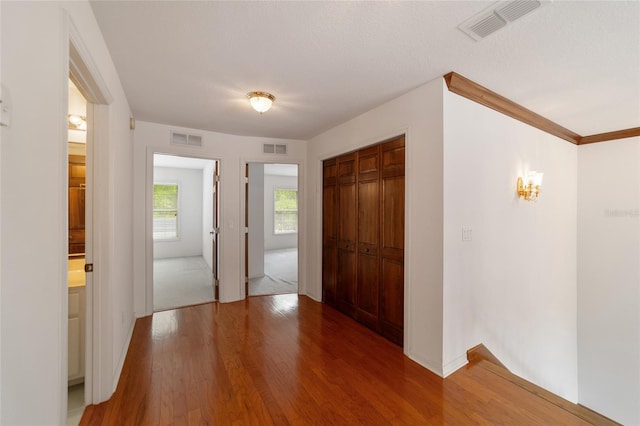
point(289, 360)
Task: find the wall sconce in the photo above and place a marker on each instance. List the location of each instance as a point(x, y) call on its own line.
point(531, 189)
point(77, 122)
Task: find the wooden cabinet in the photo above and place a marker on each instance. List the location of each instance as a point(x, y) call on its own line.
point(363, 236)
point(77, 176)
point(76, 327)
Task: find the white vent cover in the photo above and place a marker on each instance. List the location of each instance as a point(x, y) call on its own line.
point(497, 16)
point(271, 148)
point(517, 9)
point(185, 139)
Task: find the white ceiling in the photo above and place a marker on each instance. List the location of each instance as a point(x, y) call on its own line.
point(191, 63)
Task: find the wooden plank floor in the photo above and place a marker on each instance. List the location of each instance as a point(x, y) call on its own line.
point(290, 360)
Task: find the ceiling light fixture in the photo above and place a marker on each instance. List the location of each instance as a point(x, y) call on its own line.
point(261, 101)
point(77, 122)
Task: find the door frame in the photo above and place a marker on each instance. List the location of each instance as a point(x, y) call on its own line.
point(148, 215)
point(244, 162)
point(98, 355)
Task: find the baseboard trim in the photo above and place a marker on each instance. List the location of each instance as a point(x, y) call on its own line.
point(479, 355)
point(123, 356)
point(455, 365)
point(425, 363)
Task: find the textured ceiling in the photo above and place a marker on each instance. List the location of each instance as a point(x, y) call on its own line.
point(192, 63)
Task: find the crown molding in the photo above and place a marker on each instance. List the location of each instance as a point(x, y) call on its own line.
point(469, 89)
point(610, 136)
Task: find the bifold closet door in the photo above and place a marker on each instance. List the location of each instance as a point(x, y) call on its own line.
point(363, 236)
point(329, 231)
point(392, 253)
point(368, 261)
point(347, 203)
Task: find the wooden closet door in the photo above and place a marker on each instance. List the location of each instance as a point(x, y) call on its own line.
point(329, 231)
point(368, 269)
point(347, 204)
point(392, 232)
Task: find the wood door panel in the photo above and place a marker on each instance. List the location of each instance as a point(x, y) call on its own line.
point(368, 212)
point(347, 168)
point(329, 218)
point(393, 213)
point(368, 286)
point(393, 158)
point(392, 293)
point(347, 213)
point(329, 172)
point(329, 270)
point(369, 163)
point(346, 277)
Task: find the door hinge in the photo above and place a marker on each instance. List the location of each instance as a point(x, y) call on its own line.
point(246, 180)
point(246, 230)
point(88, 267)
point(216, 178)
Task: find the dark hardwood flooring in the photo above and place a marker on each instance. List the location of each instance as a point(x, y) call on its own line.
point(289, 360)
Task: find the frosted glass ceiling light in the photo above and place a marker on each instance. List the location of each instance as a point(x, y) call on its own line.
point(77, 122)
point(261, 101)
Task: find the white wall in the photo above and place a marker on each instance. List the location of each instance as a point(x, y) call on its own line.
point(1, 226)
point(513, 286)
point(233, 152)
point(256, 220)
point(418, 114)
point(190, 232)
point(35, 47)
point(207, 213)
point(609, 278)
point(271, 240)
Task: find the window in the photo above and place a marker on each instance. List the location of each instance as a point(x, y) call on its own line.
point(285, 203)
point(165, 211)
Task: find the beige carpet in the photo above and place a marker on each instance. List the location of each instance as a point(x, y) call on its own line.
point(181, 281)
point(280, 273)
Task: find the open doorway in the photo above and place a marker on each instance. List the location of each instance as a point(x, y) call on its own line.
point(77, 212)
point(272, 222)
point(185, 230)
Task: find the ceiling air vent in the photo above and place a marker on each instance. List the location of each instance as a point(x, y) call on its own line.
point(185, 139)
point(487, 25)
point(271, 148)
point(517, 9)
point(496, 17)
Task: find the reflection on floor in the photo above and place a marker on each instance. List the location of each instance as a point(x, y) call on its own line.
point(75, 404)
point(280, 273)
point(181, 281)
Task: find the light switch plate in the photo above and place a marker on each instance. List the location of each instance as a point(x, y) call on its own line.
point(466, 233)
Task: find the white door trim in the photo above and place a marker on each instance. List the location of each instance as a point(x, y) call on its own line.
point(148, 213)
point(99, 354)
